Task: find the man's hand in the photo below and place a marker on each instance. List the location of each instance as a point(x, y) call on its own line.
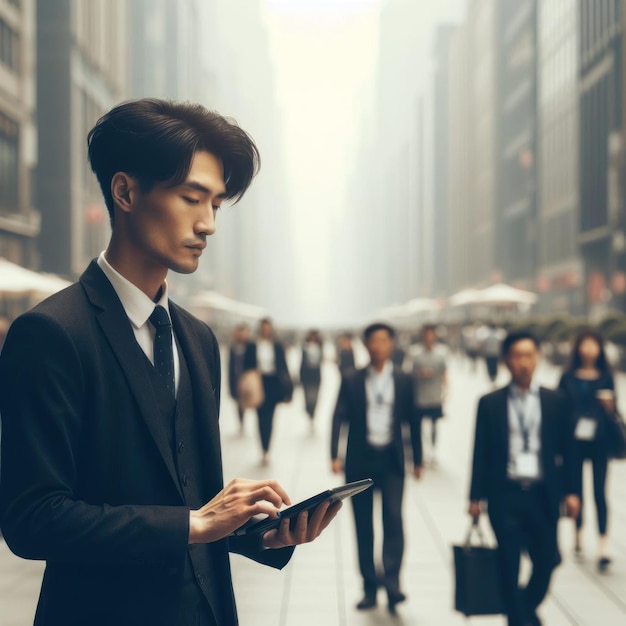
point(417, 472)
point(572, 505)
point(305, 531)
point(337, 466)
point(232, 507)
point(474, 509)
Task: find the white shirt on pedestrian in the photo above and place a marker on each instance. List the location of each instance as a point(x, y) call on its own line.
point(266, 359)
point(524, 419)
point(380, 396)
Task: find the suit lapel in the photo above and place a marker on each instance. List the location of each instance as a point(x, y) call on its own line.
point(118, 332)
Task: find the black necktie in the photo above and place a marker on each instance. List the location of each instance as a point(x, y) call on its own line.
point(163, 352)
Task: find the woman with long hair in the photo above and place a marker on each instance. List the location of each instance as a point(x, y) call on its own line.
point(588, 381)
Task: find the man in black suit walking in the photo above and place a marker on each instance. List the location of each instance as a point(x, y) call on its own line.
point(109, 395)
point(523, 466)
point(236, 358)
point(373, 405)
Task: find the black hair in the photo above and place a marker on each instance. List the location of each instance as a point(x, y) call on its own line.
point(515, 336)
point(576, 362)
point(155, 141)
point(373, 328)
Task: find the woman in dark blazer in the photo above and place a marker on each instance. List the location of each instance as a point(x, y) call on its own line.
point(588, 382)
point(268, 356)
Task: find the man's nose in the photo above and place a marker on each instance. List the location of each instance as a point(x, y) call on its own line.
point(206, 224)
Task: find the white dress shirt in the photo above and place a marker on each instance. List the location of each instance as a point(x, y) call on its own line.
point(380, 395)
point(139, 307)
point(524, 408)
point(266, 359)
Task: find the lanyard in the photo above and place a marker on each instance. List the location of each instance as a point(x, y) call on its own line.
point(379, 393)
point(524, 426)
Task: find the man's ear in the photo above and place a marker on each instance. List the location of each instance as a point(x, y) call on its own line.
point(124, 191)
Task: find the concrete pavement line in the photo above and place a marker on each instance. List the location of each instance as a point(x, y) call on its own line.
point(603, 587)
point(567, 613)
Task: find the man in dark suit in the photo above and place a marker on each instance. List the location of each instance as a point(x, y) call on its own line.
point(109, 395)
point(236, 358)
point(267, 355)
point(373, 405)
point(524, 464)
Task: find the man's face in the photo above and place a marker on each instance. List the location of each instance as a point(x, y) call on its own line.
point(379, 346)
point(522, 361)
point(168, 225)
point(429, 338)
point(266, 330)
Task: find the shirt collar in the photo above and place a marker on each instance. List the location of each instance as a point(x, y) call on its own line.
point(386, 371)
point(136, 303)
point(517, 392)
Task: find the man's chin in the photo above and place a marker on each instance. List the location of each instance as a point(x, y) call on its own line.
point(184, 268)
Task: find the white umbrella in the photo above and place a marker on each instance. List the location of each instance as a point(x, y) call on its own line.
point(505, 294)
point(466, 296)
point(17, 280)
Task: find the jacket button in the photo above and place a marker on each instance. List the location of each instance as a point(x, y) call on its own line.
point(185, 480)
point(181, 446)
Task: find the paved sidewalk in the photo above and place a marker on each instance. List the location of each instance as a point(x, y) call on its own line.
point(321, 584)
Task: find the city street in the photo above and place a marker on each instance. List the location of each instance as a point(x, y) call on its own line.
point(321, 584)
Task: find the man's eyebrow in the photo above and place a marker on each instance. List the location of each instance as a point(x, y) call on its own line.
point(192, 184)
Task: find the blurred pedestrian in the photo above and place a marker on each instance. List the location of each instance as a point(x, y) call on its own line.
point(427, 362)
point(471, 343)
point(523, 458)
point(311, 371)
point(109, 394)
point(588, 382)
point(490, 349)
point(236, 357)
point(268, 356)
point(372, 406)
point(345, 353)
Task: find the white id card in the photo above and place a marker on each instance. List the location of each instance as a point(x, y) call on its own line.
point(585, 429)
point(527, 465)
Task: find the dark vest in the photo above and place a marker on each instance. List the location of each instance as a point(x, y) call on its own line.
point(200, 589)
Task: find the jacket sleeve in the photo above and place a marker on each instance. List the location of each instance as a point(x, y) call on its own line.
point(480, 461)
point(339, 417)
point(43, 402)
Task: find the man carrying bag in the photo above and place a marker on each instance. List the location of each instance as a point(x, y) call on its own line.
point(523, 465)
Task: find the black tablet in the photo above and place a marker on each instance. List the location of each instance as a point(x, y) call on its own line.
point(256, 526)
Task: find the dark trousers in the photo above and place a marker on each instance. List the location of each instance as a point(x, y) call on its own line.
point(390, 483)
point(600, 462)
point(311, 393)
point(265, 412)
point(521, 521)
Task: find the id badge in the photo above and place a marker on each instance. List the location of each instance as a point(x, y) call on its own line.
point(527, 465)
point(585, 429)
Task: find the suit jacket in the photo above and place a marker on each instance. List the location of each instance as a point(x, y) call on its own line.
point(89, 481)
point(235, 369)
point(351, 414)
point(491, 449)
point(274, 393)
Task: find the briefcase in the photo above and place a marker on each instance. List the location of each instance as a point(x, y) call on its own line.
point(477, 577)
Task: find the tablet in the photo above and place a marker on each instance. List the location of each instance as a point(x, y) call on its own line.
point(256, 526)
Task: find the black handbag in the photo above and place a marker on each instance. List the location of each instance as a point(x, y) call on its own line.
point(477, 588)
point(616, 440)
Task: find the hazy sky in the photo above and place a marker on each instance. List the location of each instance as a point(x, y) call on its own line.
point(325, 55)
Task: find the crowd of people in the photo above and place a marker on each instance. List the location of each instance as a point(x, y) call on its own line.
point(110, 395)
point(530, 446)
